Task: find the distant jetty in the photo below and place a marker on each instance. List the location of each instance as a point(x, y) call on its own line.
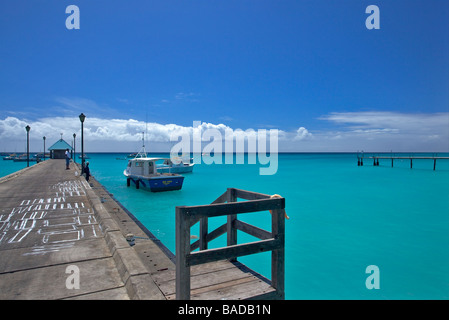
point(392, 158)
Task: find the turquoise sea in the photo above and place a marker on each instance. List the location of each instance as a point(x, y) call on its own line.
point(343, 218)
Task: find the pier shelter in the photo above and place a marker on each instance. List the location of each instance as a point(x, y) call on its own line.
point(57, 150)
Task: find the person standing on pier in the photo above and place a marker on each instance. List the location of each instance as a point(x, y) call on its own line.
point(87, 171)
point(67, 159)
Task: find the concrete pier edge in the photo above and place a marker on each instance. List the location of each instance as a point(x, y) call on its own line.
point(134, 274)
point(18, 173)
point(135, 264)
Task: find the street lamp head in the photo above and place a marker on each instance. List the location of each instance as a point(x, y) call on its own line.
point(44, 138)
point(82, 117)
point(74, 135)
point(28, 128)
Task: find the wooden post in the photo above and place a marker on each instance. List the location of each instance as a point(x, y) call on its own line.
point(203, 233)
point(278, 256)
point(392, 162)
point(230, 227)
point(434, 163)
point(182, 249)
point(411, 163)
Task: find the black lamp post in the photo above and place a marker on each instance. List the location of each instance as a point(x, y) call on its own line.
point(82, 117)
point(27, 128)
point(74, 150)
point(44, 146)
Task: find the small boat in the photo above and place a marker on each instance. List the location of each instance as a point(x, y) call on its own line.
point(132, 155)
point(143, 173)
point(172, 167)
point(23, 158)
point(10, 157)
point(135, 155)
point(20, 158)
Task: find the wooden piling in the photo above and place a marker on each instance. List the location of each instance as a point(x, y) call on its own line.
point(182, 228)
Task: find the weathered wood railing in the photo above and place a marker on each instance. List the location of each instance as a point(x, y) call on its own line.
point(187, 216)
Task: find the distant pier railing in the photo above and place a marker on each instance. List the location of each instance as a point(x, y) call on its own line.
point(392, 158)
point(227, 205)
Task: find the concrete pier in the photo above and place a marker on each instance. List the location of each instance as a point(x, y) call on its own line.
point(64, 238)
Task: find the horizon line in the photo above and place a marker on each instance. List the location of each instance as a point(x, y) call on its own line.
point(279, 152)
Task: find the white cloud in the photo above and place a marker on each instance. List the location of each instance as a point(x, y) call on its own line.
point(391, 122)
point(385, 131)
point(302, 133)
point(189, 96)
point(226, 118)
point(376, 131)
point(106, 134)
point(10, 126)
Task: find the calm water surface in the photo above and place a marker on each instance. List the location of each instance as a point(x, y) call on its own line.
point(343, 218)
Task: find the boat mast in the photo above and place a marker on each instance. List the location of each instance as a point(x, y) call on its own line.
point(142, 153)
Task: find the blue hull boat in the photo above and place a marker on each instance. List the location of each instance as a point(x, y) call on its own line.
point(142, 173)
point(157, 184)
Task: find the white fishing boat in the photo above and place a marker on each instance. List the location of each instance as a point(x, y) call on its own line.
point(178, 166)
point(142, 171)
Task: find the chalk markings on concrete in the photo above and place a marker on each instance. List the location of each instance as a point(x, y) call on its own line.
point(43, 217)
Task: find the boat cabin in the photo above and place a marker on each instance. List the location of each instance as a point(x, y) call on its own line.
point(142, 166)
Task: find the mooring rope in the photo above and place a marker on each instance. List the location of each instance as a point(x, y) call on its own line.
point(271, 211)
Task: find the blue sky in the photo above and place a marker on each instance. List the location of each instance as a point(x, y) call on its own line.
point(245, 64)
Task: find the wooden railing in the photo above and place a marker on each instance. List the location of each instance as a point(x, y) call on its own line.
point(227, 205)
